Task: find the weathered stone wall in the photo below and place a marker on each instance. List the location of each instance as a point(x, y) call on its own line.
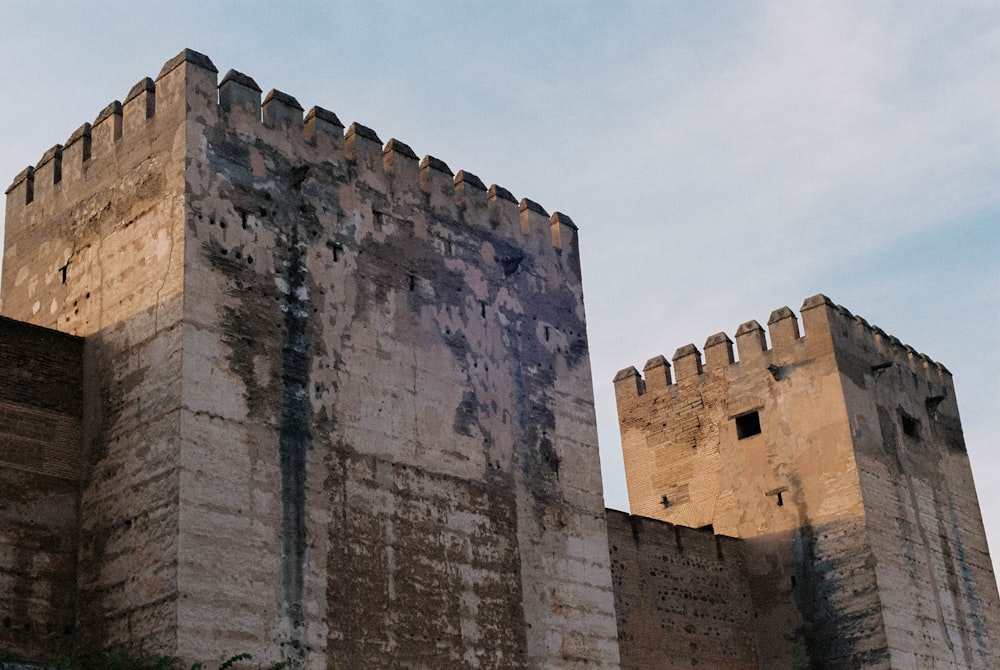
point(790, 489)
point(935, 578)
point(401, 354)
point(337, 410)
point(40, 409)
point(681, 596)
point(94, 247)
point(853, 492)
point(342, 399)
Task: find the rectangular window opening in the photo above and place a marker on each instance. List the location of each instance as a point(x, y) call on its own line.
point(747, 425)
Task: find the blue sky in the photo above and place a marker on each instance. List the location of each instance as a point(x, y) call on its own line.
point(721, 160)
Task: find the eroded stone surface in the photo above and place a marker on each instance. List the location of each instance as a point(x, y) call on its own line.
point(339, 409)
point(837, 456)
point(682, 596)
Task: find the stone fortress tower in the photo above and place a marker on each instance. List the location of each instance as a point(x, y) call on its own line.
point(337, 401)
point(837, 456)
point(268, 386)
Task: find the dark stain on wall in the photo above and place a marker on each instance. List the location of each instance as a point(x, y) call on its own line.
point(406, 581)
point(467, 414)
point(250, 327)
point(534, 378)
point(41, 375)
point(838, 609)
point(391, 528)
point(38, 539)
point(294, 433)
point(539, 464)
point(967, 590)
point(261, 308)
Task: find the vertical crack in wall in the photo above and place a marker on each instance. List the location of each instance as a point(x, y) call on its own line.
point(294, 440)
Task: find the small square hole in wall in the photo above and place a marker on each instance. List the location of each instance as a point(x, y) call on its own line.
point(747, 425)
point(911, 426)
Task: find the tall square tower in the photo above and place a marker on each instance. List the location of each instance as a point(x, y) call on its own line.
point(838, 456)
point(337, 405)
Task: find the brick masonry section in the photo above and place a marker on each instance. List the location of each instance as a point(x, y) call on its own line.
point(682, 596)
point(40, 407)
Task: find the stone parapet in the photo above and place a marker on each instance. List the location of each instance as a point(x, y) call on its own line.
point(822, 320)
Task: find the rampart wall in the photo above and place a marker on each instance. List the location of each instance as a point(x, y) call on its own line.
point(40, 408)
point(347, 391)
point(682, 596)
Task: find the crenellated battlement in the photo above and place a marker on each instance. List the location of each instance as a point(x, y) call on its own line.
point(117, 125)
point(782, 344)
point(279, 119)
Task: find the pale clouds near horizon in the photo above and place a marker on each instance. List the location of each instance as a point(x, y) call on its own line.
point(805, 141)
point(721, 160)
point(813, 116)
